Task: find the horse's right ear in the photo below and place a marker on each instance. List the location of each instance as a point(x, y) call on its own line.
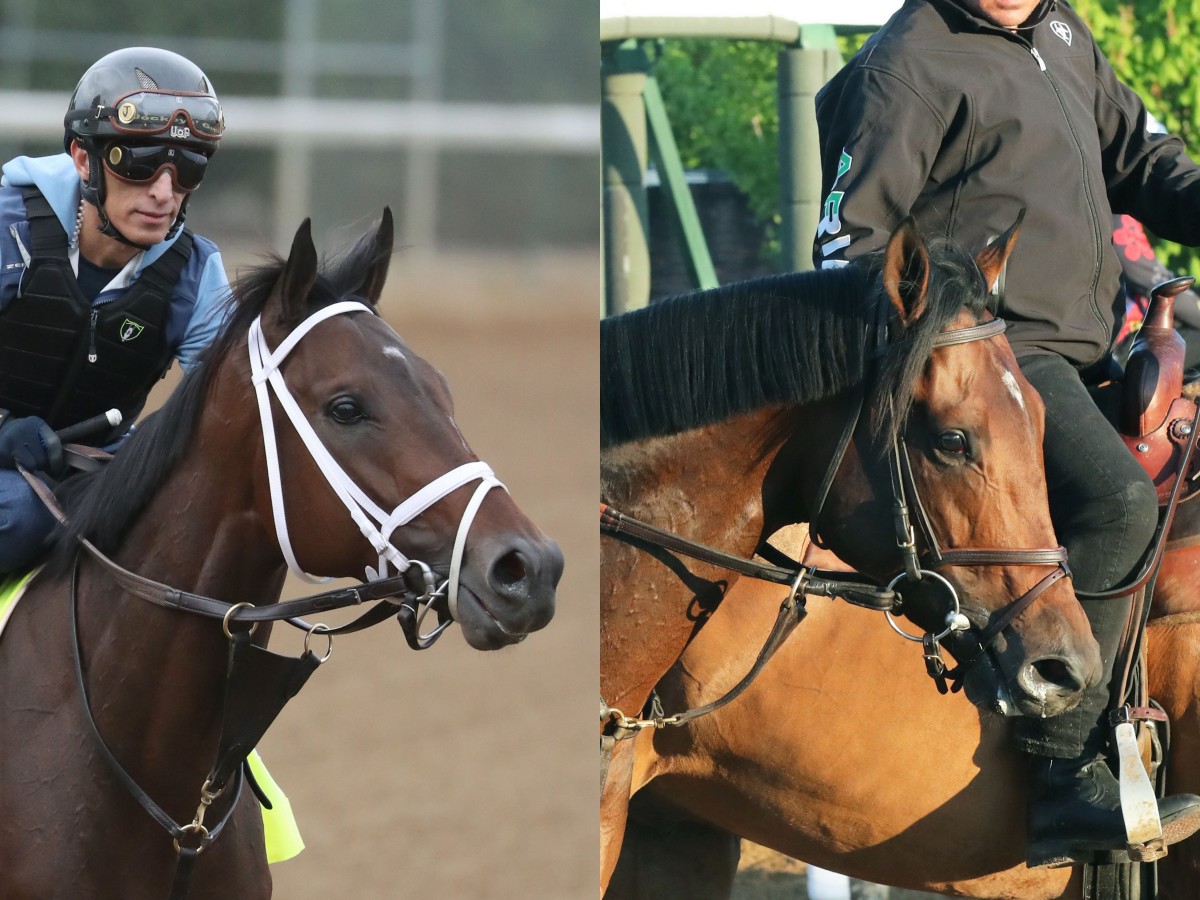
point(992, 258)
point(906, 271)
point(297, 279)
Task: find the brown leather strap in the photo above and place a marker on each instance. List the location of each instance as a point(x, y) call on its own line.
point(998, 556)
point(849, 586)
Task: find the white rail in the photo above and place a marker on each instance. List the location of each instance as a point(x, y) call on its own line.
point(295, 126)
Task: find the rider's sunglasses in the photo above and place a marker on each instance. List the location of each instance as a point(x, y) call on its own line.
point(139, 164)
point(179, 116)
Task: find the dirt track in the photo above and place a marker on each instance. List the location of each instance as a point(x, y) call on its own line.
point(452, 773)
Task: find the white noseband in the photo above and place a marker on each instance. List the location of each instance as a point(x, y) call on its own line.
point(375, 524)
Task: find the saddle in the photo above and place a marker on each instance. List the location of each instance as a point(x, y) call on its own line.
point(1154, 417)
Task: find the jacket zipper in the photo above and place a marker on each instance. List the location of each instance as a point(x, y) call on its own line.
point(1096, 245)
point(12, 229)
point(92, 325)
point(92, 356)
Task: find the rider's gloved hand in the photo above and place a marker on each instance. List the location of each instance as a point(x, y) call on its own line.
point(31, 443)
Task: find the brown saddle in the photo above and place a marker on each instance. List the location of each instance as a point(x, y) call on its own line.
point(1155, 418)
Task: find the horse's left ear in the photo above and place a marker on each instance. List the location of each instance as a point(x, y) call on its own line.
point(372, 285)
point(298, 276)
point(992, 258)
point(906, 271)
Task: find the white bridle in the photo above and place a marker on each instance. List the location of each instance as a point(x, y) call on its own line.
point(375, 524)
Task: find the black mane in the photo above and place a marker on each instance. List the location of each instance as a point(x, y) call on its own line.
point(104, 505)
point(705, 357)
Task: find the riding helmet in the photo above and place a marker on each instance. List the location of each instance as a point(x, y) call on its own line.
point(146, 94)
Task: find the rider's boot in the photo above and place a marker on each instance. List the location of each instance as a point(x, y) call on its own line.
point(1075, 800)
point(1075, 812)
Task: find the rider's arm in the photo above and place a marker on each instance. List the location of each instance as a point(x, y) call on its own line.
point(1149, 174)
point(879, 142)
point(212, 305)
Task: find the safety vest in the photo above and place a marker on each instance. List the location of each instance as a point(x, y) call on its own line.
point(65, 359)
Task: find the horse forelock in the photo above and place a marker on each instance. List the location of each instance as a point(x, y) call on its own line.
point(704, 357)
point(955, 284)
point(103, 506)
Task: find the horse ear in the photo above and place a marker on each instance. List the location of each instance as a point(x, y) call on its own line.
point(906, 271)
point(372, 285)
point(298, 276)
point(992, 258)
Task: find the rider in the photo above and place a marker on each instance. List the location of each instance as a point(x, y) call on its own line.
point(961, 113)
point(101, 286)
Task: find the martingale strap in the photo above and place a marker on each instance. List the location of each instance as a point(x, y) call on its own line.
point(184, 835)
point(848, 586)
point(616, 726)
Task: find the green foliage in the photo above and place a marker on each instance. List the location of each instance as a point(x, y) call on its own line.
point(721, 94)
point(1151, 47)
point(721, 99)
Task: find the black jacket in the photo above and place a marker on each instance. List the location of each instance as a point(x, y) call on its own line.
point(963, 123)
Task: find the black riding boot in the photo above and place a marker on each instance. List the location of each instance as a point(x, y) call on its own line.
point(1075, 801)
point(1075, 812)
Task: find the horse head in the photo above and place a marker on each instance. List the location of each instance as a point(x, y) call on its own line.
point(361, 468)
point(952, 465)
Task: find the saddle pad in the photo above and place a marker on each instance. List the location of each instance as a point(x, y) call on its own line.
point(279, 825)
point(11, 589)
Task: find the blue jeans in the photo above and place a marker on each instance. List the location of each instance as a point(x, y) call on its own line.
point(25, 523)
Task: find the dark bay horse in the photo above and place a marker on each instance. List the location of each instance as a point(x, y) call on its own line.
point(721, 410)
point(842, 754)
point(310, 436)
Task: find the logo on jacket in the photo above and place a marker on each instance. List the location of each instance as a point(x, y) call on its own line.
point(1061, 30)
point(831, 220)
point(131, 330)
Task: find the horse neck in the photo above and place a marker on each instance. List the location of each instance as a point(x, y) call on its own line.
point(705, 485)
point(199, 533)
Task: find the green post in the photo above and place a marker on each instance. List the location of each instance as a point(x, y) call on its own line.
point(674, 181)
point(802, 72)
point(623, 140)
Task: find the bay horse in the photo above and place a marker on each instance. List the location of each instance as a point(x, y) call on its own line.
point(310, 437)
point(842, 755)
point(721, 409)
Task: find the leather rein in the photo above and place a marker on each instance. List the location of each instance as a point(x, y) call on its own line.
point(854, 588)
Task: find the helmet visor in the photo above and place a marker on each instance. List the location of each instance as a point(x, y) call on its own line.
point(174, 116)
point(138, 164)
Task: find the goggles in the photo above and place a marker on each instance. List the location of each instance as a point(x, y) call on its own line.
point(179, 117)
point(138, 164)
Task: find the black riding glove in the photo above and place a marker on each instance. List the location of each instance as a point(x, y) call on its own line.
point(31, 443)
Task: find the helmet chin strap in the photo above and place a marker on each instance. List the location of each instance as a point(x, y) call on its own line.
point(94, 191)
point(375, 523)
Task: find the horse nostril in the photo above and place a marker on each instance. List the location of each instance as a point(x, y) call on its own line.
point(1058, 673)
point(509, 570)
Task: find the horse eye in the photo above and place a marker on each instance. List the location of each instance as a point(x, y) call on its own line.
point(952, 441)
point(346, 411)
